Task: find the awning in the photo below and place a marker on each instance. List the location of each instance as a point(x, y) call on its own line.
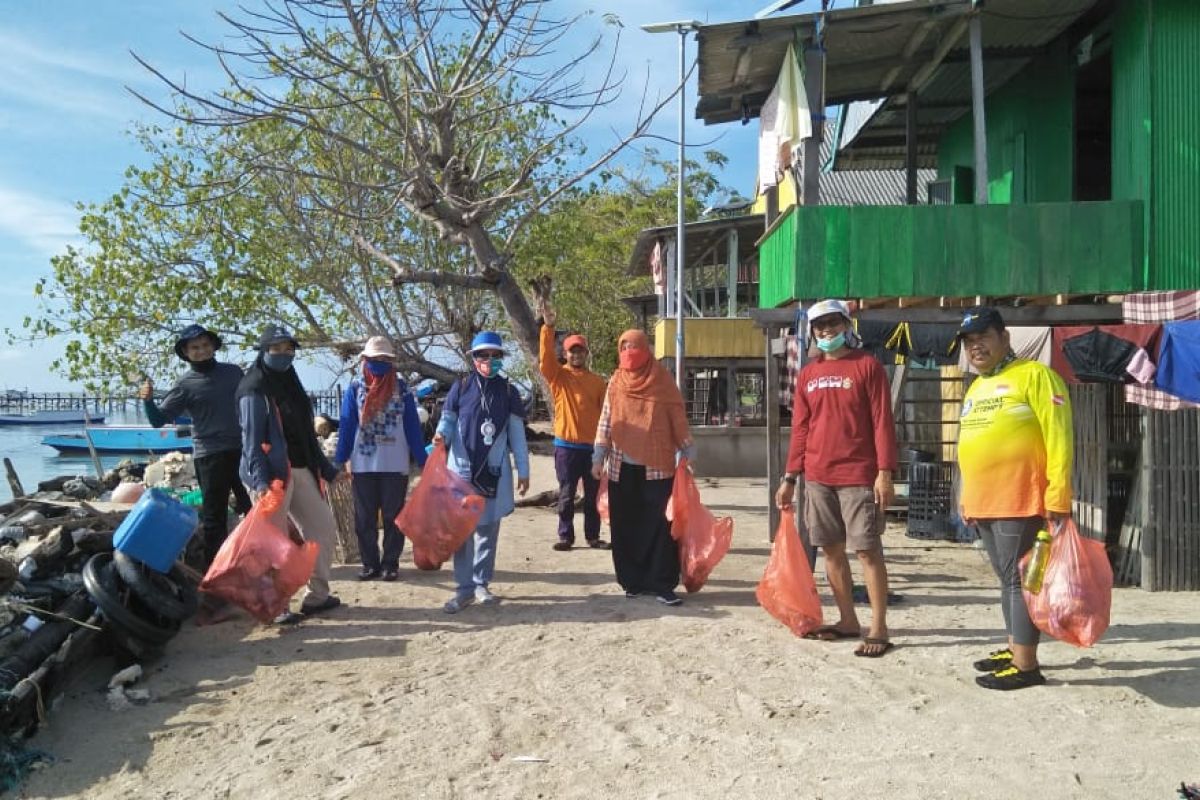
point(880, 51)
point(699, 238)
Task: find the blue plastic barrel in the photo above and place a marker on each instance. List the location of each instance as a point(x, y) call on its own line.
point(156, 530)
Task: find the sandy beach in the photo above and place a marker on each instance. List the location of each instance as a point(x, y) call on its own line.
point(570, 690)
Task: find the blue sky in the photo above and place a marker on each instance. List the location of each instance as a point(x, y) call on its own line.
point(65, 117)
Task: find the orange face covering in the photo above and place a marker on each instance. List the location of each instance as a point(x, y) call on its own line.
point(647, 413)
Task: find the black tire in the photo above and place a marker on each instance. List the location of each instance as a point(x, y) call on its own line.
point(102, 584)
point(171, 595)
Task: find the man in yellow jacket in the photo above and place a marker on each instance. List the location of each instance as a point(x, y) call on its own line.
point(578, 395)
point(1015, 452)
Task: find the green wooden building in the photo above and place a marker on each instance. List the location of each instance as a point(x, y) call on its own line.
point(1089, 183)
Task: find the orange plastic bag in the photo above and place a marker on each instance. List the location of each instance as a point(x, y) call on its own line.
point(703, 539)
point(442, 512)
point(1076, 597)
point(422, 561)
point(602, 498)
point(259, 567)
point(788, 590)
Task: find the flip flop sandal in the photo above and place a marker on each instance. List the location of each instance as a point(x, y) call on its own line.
point(883, 646)
point(830, 633)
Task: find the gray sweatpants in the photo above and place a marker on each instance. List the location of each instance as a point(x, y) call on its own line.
point(1007, 541)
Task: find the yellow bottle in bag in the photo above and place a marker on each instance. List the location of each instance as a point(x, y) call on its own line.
point(1036, 571)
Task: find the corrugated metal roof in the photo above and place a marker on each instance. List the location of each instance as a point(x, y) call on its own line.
point(878, 51)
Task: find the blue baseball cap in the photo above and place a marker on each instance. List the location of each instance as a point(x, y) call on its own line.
point(979, 319)
point(487, 340)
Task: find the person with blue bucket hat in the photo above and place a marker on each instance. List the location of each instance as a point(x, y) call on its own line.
point(280, 443)
point(483, 427)
point(206, 393)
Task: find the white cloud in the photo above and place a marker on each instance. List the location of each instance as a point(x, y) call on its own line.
point(43, 225)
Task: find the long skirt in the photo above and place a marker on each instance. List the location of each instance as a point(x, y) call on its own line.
point(645, 557)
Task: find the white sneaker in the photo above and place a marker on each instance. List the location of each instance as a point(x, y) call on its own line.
point(458, 603)
point(485, 598)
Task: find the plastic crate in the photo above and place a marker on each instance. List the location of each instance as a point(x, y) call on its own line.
point(929, 501)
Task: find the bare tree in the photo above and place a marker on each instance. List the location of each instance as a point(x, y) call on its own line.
point(465, 113)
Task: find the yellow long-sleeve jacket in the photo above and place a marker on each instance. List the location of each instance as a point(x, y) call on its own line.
point(1015, 444)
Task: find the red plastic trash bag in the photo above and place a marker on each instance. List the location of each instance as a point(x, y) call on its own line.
point(1076, 597)
point(422, 561)
point(788, 590)
point(602, 497)
point(703, 539)
point(442, 512)
point(259, 567)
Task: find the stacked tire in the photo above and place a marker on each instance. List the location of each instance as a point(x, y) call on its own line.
point(143, 609)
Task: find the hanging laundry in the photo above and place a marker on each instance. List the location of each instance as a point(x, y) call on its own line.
point(875, 337)
point(1179, 360)
point(784, 122)
point(658, 270)
point(1148, 307)
point(1151, 307)
point(1101, 353)
point(932, 343)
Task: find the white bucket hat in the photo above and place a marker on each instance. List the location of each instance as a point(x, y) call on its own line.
point(379, 347)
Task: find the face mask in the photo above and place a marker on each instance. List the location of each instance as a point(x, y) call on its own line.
point(830, 345)
point(378, 368)
point(278, 362)
point(633, 359)
point(204, 366)
point(490, 367)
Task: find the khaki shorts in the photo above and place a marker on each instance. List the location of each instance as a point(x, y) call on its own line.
point(843, 515)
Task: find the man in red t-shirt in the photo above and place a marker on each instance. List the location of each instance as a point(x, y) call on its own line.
point(844, 444)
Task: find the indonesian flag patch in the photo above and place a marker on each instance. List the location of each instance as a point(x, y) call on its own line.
point(1058, 399)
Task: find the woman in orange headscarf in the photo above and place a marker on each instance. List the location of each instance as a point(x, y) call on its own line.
point(643, 427)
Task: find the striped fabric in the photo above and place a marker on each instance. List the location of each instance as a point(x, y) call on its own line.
point(1150, 307)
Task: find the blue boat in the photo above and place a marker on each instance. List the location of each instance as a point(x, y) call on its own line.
point(123, 439)
point(72, 416)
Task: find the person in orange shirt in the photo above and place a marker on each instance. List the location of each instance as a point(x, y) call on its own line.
point(578, 395)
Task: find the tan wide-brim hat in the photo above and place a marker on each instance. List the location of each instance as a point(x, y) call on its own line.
point(379, 347)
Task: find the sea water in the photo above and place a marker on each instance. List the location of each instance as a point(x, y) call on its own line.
point(34, 461)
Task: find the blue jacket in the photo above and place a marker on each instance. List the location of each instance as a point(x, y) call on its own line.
point(261, 424)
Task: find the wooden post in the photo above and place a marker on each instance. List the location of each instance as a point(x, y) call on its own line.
point(14, 481)
point(87, 434)
point(814, 87)
point(731, 276)
point(980, 123)
point(774, 433)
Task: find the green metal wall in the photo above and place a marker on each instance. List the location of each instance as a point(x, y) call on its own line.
point(1156, 132)
point(952, 251)
point(1030, 133)
point(1132, 113)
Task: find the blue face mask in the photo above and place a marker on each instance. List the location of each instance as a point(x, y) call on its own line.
point(379, 368)
point(278, 362)
point(497, 365)
point(831, 345)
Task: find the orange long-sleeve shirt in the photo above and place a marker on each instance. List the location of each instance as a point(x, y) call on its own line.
point(578, 395)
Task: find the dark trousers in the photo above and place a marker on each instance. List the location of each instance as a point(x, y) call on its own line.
point(1007, 541)
point(217, 475)
point(376, 493)
point(645, 557)
point(571, 466)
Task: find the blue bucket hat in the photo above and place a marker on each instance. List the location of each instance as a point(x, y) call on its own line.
point(487, 340)
point(194, 332)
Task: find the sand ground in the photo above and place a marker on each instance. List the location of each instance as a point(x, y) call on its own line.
point(569, 690)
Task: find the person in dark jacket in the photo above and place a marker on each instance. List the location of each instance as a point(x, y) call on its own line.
point(206, 393)
point(279, 443)
point(379, 435)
